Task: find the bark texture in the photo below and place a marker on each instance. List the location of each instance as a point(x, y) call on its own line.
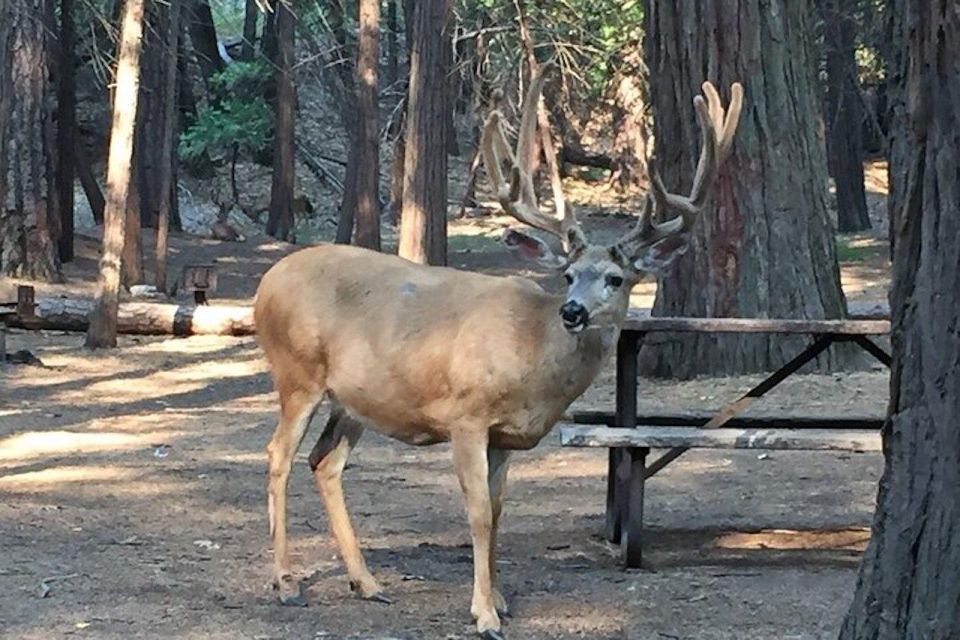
point(630, 111)
point(280, 218)
point(28, 219)
point(909, 583)
point(102, 332)
point(367, 182)
point(844, 116)
point(423, 225)
point(66, 129)
point(167, 181)
point(764, 245)
point(203, 35)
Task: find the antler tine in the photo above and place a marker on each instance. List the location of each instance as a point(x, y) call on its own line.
point(519, 199)
point(717, 127)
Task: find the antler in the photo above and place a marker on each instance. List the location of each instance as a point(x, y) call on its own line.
point(519, 198)
point(718, 127)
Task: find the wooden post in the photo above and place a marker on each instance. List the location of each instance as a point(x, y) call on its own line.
point(631, 544)
point(626, 416)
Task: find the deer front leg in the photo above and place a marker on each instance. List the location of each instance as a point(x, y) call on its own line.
point(470, 462)
point(498, 462)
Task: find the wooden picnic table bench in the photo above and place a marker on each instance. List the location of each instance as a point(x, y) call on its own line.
point(629, 436)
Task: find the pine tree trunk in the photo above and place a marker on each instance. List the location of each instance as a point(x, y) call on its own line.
point(368, 126)
point(149, 159)
point(250, 15)
point(203, 35)
point(168, 188)
point(103, 319)
point(630, 102)
point(423, 225)
point(8, 236)
point(66, 129)
point(343, 82)
point(280, 218)
point(909, 584)
point(844, 117)
point(764, 246)
point(27, 217)
point(393, 55)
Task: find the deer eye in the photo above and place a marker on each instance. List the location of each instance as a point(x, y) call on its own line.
point(568, 278)
point(614, 281)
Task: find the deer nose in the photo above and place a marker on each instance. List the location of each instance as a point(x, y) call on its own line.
point(574, 314)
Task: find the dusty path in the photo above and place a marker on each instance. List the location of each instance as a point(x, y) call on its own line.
point(139, 477)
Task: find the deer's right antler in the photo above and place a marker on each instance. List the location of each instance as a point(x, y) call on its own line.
point(518, 197)
point(717, 125)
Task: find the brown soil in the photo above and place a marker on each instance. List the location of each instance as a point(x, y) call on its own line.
point(132, 485)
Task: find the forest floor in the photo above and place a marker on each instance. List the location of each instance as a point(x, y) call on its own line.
point(132, 497)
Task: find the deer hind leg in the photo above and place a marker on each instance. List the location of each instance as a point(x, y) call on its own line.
point(498, 462)
point(327, 459)
point(296, 410)
point(470, 462)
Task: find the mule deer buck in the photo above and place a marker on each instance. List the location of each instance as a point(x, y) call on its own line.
point(430, 354)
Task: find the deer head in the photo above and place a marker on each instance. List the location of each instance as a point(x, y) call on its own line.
point(599, 278)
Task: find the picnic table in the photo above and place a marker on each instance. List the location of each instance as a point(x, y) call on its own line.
point(629, 436)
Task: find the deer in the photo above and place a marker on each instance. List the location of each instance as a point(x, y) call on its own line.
point(429, 354)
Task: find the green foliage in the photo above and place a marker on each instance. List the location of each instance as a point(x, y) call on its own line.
point(241, 121)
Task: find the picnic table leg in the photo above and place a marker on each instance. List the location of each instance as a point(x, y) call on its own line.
point(626, 416)
point(631, 543)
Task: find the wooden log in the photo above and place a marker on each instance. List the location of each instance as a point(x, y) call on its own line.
point(143, 318)
point(724, 438)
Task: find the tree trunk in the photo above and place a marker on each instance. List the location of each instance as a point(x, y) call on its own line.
point(909, 583)
point(203, 35)
point(102, 332)
point(149, 159)
point(66, 129)
point(368, 126)
point(398, 127)
point(27, 217)
point(629, 149)
point(131, 262)
point(344, 87)
point(895, 63)
point(423, 225)
point(250, 15)
point(91, 188)
point(764, 246)
point(393, 54)
point(280, 219)
point(844, 116)
point(6, 104)
point(169, 133)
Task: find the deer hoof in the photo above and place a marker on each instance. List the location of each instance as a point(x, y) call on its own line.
point(291, 594)
point(491, 634)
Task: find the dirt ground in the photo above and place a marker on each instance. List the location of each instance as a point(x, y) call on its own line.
point(132, 503)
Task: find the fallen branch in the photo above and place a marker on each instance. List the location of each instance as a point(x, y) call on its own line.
point(143, 318)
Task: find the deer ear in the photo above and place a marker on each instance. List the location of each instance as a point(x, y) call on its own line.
point(656, 257)
point(532, 248)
